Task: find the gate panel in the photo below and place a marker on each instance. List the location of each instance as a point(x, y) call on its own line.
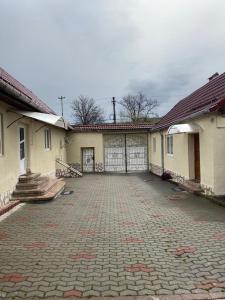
point(114, 151)
point(115, 159)
point(125, 152)
point(137, 152)
point(137, 159)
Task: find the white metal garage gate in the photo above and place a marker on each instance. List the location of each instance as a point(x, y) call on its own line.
point(126, 152)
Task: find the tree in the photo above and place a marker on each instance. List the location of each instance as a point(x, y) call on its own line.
point(85, 111)
point(138, 107)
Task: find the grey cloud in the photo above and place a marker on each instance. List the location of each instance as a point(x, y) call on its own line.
point(104, 48)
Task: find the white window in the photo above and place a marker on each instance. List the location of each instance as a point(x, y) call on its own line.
point(169, 144)
point(154, 144)
point(1, 136)
point(47, 135)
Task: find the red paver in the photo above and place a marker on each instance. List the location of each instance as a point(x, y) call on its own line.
point(219, 236)
point(83, 255)
point(51, 225)
point(139, 268)
point(72, 293)
point(36, 245)
point(168, 230)
point(132, 240)
point(13, 277)
point(4, 236)
point(183, 250)
point(87, 232)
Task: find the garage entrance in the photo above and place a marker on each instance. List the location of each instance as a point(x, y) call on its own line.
point(125, 152)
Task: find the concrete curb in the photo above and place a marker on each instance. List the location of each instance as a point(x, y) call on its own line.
point(8, 207)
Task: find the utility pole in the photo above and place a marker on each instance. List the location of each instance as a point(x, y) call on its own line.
point(61, 98)
point(114, 109)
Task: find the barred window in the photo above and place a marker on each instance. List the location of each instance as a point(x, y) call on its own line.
point(169, 144)
point(154, 144)
point(47, 138)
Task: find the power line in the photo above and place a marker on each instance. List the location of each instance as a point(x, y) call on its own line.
point(106, 98)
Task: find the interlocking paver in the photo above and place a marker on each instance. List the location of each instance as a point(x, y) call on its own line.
point(116, 235)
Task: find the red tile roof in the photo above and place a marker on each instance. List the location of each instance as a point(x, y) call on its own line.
point(34, 101)
point(111, 126)
point(203, 99)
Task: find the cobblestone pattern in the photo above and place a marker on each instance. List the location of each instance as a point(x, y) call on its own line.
point(116, 235)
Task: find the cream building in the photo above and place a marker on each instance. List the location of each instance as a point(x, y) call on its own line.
point(31, 135)
point(188, 142)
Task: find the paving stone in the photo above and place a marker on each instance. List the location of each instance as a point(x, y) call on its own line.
point(115, 235)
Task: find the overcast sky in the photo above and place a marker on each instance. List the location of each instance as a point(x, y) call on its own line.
point(105, 48)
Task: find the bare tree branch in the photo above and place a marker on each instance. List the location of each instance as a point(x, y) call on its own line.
point(138, 107)
point(85, 111)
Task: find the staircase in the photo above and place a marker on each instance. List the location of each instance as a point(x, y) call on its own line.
point(191, 186)
point(34, 187)
point(72, 171)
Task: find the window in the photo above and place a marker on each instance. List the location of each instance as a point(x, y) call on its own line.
point(154, 144)
point(169, 144)
point(1, 135)
point(47, 135)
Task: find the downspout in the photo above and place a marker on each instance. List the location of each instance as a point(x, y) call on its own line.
point(162, 152)
point(125, 141)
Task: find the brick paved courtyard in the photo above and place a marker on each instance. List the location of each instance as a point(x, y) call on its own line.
point(115, 235)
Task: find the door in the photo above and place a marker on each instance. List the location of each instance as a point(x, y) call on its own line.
point(197, 156)
point(22, 150)
point(88, 159)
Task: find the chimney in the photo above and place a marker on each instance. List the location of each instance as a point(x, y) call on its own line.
point(213, 76)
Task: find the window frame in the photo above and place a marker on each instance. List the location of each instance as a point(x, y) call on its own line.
point(169, 145)
point(47, 139)
point(1, 135)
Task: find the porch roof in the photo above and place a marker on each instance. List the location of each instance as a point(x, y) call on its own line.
point(46, 118)
point(184, 128)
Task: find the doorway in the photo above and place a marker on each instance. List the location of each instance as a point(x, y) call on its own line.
point(22, 150)
point(197, 157)
point(88, 159)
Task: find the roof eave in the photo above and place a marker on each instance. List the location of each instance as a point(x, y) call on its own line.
point(191, 116)
point(20, 97)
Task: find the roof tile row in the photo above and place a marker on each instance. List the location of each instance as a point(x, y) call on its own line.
point(34, 100)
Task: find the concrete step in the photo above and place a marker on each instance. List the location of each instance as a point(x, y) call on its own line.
point(56, 188)
point(191, 186)
point(28, 177)
point(40, 189)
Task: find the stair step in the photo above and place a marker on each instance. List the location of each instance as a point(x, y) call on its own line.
point(55, 190)
point(27, 186)
point(26, 178)
point(40, 189)
point(191, 186)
